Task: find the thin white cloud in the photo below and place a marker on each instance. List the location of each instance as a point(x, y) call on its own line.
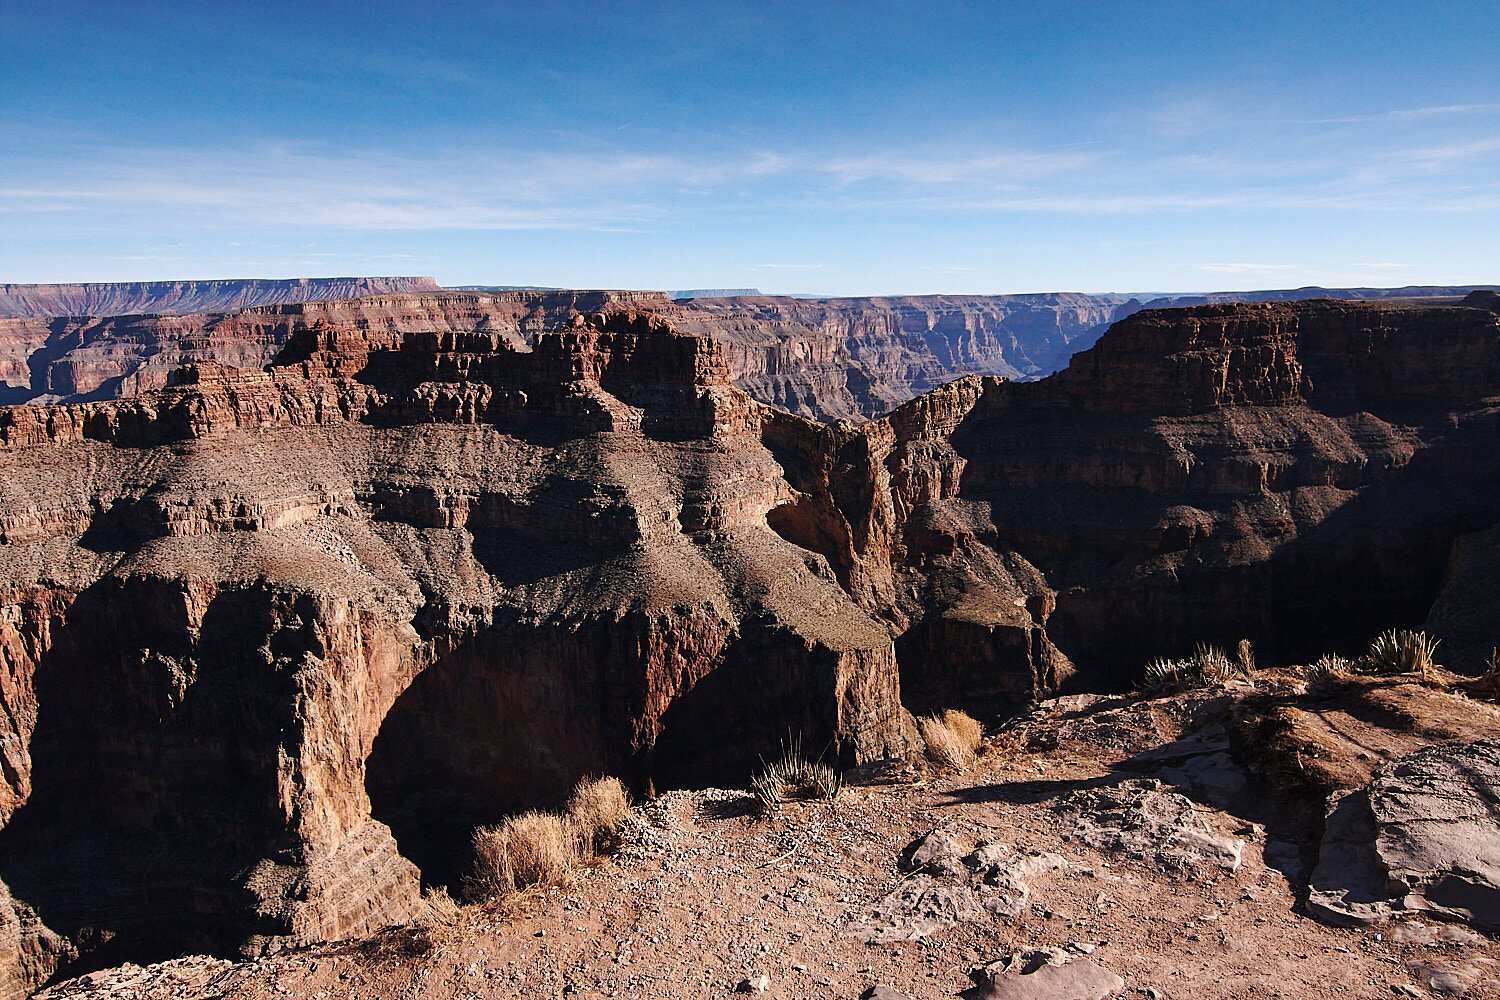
point(1247, 268)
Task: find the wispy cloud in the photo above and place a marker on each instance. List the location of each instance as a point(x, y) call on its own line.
point(1247, 268)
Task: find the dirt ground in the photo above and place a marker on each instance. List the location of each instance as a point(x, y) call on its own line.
point(707, 895)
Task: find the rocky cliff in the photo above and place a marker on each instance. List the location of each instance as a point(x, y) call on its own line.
point(411, 576)
point(116, 298)
point(829, 359)
point(243, 607)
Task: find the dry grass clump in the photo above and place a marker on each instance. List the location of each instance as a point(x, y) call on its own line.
point(952, 739)
point(1327, 674)
point(793, 776)
point(543, 848)
point(600, 808)
point(532, 849)
point(1399, 651)
point(968, 729)
point(1490, 682)
point(1244, 658)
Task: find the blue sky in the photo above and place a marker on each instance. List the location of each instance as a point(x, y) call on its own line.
point(798, 147)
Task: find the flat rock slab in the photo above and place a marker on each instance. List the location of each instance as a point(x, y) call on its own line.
point(1045, 974)
point(1437, 819)
point(917, 908)
point(1140, 819)
point(1424, 837)
point(1348, 886)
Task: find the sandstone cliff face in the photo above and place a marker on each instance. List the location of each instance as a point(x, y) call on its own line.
point(829, 359)
point(254, 620)
point(116, 298)
point(238, 608)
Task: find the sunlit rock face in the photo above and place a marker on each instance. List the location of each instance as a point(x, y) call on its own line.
point(253, 620)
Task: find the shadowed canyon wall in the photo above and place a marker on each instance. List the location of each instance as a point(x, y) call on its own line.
point(253, 620)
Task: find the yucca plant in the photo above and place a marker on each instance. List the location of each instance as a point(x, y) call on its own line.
point(1213, 664)
point(1400, 651)
point(1163, 673)
point(792, 776)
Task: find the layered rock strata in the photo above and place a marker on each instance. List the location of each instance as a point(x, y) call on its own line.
point(254, 619)
point(241, 607)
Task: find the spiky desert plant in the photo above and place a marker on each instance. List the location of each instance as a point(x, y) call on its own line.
point(1212, 664)
point(1400, 651)
point(793, 776)
point(768, 791)
point(1326, 673)
point(1163, 673)
point(945, 748)
point(600, 807)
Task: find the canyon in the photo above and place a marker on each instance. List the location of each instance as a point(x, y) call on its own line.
point(293, 596)
point(830, 359)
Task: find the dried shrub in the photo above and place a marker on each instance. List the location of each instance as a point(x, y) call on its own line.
point(600, 808)
point(1490, 682)
point(532, 849)
point(1330, 672)
point(945, 748)
point(968, 729)
point(1399, 651)
point(1244, 658)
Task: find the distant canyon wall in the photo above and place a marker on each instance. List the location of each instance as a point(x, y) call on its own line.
point(830, 359)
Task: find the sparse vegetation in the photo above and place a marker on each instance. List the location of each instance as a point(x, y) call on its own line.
point(1209, 665)
point(792, 777)
point(1399, 651)
point(1327, 673)
point(952, 739)
point(532, 849)
point(543, 848)
point(1213, 664)
point(1245, 658)
point(1490, 682)
point(968, 729)
point(601, 808)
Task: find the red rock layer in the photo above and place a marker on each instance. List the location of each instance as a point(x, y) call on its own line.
point(256, 619)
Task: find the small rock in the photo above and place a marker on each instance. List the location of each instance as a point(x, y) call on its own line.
point(937, 853)
point(755, 984)
point(1044, 974)
point(883, 993)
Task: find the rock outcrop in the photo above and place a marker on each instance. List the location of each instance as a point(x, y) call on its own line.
point(411, 575)
point(1424, 837)
point(116, 298)
point(242, 607)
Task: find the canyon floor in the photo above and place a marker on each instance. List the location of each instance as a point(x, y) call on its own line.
point(707, 896)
